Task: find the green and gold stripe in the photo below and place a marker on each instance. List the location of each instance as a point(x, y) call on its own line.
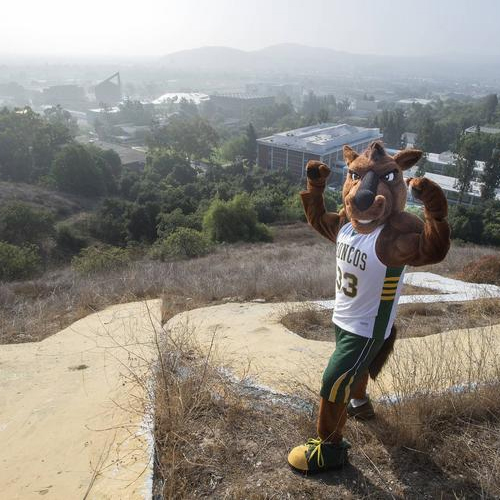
point(389, 289)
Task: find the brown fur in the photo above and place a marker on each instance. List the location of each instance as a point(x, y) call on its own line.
point(405, 239)
point(383, 355)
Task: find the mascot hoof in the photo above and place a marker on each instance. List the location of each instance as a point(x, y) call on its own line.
point(318, 456)
point(363, 412)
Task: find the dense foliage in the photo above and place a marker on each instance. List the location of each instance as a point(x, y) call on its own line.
point(18, 262)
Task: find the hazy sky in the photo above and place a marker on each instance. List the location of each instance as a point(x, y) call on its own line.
point(156, 27)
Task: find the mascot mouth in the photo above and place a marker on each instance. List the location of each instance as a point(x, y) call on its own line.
point(366, 221)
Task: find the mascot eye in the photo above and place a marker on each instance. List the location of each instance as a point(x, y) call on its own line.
point(390, 176)
point(354, 176)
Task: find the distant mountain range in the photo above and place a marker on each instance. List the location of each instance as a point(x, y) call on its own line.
point(291, 57)
point(301, 59)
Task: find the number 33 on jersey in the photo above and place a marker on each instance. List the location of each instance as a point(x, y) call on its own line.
point(367, 291)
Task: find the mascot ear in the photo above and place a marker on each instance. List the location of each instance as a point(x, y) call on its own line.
point(349, 154)
point(407, 158)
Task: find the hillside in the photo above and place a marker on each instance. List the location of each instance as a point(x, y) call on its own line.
point(62, 205)
point(301, 59)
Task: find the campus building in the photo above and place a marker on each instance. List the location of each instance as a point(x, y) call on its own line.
point(292, 150)
point(237, 105)
point(109, 91)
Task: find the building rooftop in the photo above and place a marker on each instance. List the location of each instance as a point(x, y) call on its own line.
point(127, 154)
point(177, 97)
point(415, 100)
point(321, 139)
point(485, 130)
point(242, 95)
point(446, 183)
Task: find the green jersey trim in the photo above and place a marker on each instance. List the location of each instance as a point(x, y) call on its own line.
point(387, 297)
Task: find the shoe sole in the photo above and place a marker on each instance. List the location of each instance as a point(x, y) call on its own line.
point(319, 471)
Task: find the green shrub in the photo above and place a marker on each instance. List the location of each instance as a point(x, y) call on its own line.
point(184, 242)
point(18, 262)
point(110, 221)
point(20, 224)
point(93, 260)
point(169, 222)
point(68, 240)
point(234, 220)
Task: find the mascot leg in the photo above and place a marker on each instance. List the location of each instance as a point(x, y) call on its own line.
point(346, 370)
point(331, 421)
point(360, 406)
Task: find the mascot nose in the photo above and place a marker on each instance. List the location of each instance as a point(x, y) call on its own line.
point(365, 195)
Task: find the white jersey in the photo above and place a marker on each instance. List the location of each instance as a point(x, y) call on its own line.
point(367, 291)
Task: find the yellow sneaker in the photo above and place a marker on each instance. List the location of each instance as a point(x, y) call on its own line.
point(318, 456)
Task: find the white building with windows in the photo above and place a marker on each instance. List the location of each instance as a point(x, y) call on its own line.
point(291, 150)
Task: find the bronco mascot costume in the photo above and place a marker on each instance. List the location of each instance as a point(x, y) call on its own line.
point(375, 240)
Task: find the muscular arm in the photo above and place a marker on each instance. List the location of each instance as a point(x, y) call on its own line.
point(418, 244)
point(326, 223)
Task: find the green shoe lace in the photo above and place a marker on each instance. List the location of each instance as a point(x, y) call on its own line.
point(316, 443)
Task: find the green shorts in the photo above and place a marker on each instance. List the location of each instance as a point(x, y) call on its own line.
point(352, 356)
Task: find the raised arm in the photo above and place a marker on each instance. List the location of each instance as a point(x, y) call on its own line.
point(326, 223)
point(419, 244)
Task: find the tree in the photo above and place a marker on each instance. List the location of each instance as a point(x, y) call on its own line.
point(141, 224)
point(234, 220)
point(135, 112)
point(323, 115)
point(28, 144)
point(467, 153)
point(75, 170)
point(392, 124)
point(110, 222)
point(169, 222)
point(56, 115)
point(490, 106)
point(171, 166)
point(234, 148)
point(250, 152)
point(191, 136)
point(491, 176)
point(343, 107)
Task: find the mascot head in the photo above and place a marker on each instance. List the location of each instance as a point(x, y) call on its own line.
point(374, 188)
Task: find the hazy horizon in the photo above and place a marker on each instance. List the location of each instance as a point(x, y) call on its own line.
point(113, 29)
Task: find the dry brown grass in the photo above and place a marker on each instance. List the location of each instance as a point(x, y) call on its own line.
point(219, 438)
point(32, 310)
point(413, 320)
point(459, 256)
point(299, 265)
point(484, 270)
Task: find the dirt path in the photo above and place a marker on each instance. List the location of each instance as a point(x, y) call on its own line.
point(71, 419)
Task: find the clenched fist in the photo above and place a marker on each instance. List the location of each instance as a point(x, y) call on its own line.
point(430, 194)
point(317, 173)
